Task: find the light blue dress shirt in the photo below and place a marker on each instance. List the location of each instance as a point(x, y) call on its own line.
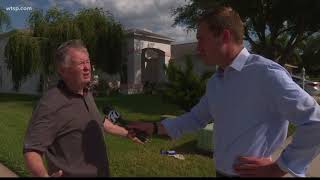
point(251, 103)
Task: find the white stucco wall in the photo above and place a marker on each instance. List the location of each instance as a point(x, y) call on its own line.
point(179, 53)
point(135, 47)
point(130, 60)
point(198, 66)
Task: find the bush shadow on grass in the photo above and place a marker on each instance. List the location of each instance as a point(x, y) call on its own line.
point(9, 97)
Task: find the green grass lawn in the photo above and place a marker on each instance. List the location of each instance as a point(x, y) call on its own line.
point(125, 158)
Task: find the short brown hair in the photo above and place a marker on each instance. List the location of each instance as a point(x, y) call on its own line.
point(61, 54)
point(221, 18)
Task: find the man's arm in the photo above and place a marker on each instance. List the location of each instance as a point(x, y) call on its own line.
point(114, 129)
point(41, 133)
point(35, 165)
point(160, 129)
point(257, 167)
point(150, 128)
point(295, 105)
point(197, 118)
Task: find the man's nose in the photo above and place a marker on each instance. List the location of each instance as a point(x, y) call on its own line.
point(86, 66)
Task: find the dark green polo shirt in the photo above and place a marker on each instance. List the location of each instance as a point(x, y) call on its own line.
point(68, 129)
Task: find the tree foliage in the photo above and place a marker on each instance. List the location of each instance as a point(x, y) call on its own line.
point(32, 51)
point(311, 56)
point(184, 88)
point(274, 28)
point(4, 19)
point(22, 47)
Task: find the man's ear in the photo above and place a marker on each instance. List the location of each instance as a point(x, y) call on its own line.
point(226, 36)
point(60, 70)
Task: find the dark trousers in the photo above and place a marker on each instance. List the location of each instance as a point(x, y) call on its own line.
point(220, 175)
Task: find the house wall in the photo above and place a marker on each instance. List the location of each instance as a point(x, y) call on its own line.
point(135, 47)
point(179, 53)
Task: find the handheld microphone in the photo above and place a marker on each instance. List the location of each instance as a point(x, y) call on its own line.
point(116, 118)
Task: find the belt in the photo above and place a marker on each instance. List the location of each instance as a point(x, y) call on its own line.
point(221, 174)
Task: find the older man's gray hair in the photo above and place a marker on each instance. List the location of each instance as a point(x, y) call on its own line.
point(61, 55)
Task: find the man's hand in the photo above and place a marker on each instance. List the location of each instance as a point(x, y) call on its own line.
point(146, 127)
point(257, 167)
point(57, 174)
point(133, 136)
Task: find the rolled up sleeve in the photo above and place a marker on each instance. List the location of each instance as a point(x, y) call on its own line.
point(41, 130)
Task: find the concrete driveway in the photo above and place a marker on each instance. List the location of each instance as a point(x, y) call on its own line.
point(5, 172)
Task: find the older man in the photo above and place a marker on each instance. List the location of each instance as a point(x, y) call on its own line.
point(66, 126)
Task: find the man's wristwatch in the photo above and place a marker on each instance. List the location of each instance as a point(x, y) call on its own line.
point(155, 128)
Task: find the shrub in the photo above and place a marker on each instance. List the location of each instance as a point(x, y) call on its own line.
point(149, 87)
point(184, 88)
point(102, 87)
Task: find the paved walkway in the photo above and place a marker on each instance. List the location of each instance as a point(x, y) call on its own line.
point(5, 172)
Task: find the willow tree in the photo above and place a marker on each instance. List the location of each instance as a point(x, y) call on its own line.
point(4, 19)
point(104, 38)
point(22, 48)
point(97, 28)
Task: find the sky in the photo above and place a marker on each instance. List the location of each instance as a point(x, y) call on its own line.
point(154, 15)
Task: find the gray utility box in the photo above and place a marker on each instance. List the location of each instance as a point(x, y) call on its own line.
point(205, 138)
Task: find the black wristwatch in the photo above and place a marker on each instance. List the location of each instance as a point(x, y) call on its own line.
point(155, 128)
